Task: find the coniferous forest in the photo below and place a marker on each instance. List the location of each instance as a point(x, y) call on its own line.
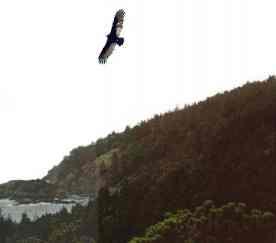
point(205, 173)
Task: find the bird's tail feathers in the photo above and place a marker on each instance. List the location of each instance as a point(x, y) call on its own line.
point(120, 41)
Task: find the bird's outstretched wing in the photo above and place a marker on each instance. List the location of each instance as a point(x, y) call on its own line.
point(106, 52)
point(116, 29)
point(118, 22)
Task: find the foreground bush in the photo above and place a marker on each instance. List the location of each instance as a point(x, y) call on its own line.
point(231, 223)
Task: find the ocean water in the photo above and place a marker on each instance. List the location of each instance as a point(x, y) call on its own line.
point(10, 208)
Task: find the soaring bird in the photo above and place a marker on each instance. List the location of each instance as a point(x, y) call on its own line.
point(113, 37)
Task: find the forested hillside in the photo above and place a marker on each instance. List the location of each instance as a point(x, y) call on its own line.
point(221, 149)
point(155, 181)
point(31, 190)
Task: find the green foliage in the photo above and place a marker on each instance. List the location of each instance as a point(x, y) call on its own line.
point(6, 227)
point(213, 224)
point(80, 226)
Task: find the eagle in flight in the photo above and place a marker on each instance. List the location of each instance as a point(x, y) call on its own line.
point(113, 37)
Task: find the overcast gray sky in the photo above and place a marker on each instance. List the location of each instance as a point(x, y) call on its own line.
point(54, 95)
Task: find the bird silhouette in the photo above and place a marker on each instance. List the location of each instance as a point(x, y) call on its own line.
point(113, 38)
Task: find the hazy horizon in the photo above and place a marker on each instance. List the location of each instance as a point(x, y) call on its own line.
point(54, 96)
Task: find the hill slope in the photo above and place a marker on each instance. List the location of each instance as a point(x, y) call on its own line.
point(224, 127)
point(222, 149)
